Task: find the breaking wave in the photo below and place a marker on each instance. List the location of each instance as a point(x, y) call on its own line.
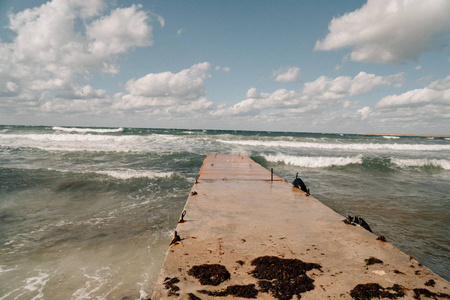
point(130, 174)
point(84, 130)
point(331, 146)
point(87, 142)
point(325, 162)
point(121, 173)
point(314, 162)
point(404, 163)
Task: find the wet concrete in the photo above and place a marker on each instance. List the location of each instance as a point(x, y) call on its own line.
point(239, 219)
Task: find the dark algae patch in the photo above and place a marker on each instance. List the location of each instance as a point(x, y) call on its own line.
point(375, 291)
point(372, 260)
point(283, 278)
point(170, 284)
point(418, 293)
point(213, 274)
point(193, 297)
point(430, 282)
point(242, 291)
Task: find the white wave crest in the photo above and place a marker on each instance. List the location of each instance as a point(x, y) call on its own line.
point(129, 174)
point(331, 146)
point(83, 130)
point(119, 173)
point(94, 142)
point(391, 137)
point(404, 163)
point(314, 161)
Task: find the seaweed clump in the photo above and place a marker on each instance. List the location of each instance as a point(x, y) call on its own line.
point(374, 290)
point(193, 297)
point(169, 284)
point(372, 260)
point(430, 282)
point(243, 291)
point(213, 274)
point(424, 292)
point(283, 278)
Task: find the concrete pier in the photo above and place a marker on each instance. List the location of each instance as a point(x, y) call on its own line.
point(247, 236)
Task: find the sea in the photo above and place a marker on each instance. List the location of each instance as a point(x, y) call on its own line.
point(88, 213)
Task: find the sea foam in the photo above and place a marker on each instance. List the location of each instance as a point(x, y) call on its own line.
point(93, 285)
point(442, 163)
point(332, 146)
point(129, 174)
point(85, 142)
point(314, 161)
point(82, 130)
point(324, 162)
point(119, 173)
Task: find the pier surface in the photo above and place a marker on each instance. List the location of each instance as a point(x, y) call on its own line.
point(245, 236)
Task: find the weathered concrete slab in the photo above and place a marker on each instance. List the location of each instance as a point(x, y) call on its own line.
point(234, 167)
point(234, 222)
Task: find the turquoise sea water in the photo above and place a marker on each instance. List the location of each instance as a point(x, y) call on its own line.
point(87, 213)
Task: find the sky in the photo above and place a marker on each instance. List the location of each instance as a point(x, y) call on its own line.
point(378, 66)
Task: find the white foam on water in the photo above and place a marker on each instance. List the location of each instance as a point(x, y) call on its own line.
point(8, 294)
point(33, 284)
point(314, 161)
point(93, 284)
point(7, 244)
point(391, 137)
point(81, 130)
point(37, 284)
point(337, 146)
point(62, 223)
point(323, 162)
point(123, 174)
point(2, 271)
point(443, 163)
point(142, 285)
point(129, 174)
point(96, 221)
point(93, 142)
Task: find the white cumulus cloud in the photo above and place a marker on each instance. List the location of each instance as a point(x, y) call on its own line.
point(317, 96)
point(123, 29)
point(364, 112)
point(343, 86)
point(388, 31)
point(287, 75)
point(224, 69)
point(57, 43)
point(167, 92)
point(436, 93)
point(186, 84)
point(420, 110)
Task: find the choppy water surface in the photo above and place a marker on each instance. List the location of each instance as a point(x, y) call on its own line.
point(87, 213)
